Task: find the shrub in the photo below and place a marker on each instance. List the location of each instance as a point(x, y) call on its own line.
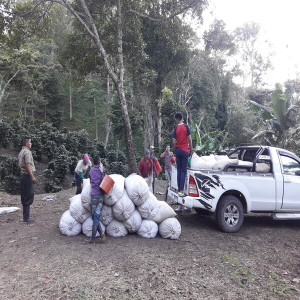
point(9, 174)
point(11, 184)
point(5, 134)
point(117, 168)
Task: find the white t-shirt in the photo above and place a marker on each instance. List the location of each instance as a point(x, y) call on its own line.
point(81, 167)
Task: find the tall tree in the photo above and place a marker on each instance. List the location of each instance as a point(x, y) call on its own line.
point(88, 12)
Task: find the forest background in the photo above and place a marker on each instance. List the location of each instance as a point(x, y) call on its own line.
point(107, 77)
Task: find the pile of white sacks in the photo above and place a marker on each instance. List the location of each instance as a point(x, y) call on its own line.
point(219, 162)
point(129, 208)
point(211, 162)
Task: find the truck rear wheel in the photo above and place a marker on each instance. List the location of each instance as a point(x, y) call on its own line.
point(230, 214)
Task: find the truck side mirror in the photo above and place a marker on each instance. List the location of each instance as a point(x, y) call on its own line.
point(297, 173)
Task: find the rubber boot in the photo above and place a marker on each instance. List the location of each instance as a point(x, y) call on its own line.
point(94, 232)
point(26, 213)
point(102, 234)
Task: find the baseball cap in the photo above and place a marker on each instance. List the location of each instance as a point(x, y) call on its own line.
point(152, 147)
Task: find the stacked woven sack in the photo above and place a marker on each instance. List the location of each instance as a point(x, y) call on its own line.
point(211, 162)
point(219, 162)
point(128, 208)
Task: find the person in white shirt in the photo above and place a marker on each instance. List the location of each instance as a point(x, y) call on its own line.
point(82, 167)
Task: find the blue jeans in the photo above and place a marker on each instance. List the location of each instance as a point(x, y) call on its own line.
point(96, 207)
point(182, 163)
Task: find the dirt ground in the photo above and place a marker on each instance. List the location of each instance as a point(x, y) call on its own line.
point(262, 261)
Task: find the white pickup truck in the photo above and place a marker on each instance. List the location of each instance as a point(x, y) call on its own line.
point(240, 188)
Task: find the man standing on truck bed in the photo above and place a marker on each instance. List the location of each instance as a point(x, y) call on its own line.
point(182, 145)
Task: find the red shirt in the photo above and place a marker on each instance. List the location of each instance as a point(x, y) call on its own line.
point(181, 133)
point(145, 167)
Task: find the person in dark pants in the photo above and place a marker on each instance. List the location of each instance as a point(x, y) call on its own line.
point(82, 167)
point(182, 145)
point(27, 178)
point(97, 174)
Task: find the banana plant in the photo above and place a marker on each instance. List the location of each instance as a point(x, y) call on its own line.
point(206, 141)
point(276, 121)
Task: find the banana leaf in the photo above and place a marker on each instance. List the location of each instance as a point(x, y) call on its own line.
point(265, 113)
point(262, 133)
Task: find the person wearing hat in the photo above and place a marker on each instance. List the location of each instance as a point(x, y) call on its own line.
point(145, 168)
point(82, 167)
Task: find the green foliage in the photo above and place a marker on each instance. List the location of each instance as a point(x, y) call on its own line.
point(5, 134)
point(277, 121)
point(205, 141)
point(9, 174)
point(62, 148)
point(169, 106)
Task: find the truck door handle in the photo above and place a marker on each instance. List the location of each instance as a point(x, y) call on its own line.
point(287, 181)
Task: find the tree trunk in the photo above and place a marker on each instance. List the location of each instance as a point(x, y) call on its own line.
point(70, 99)
point(148, 127)
point(108, 121)
point(159, 126)
point(127, 128)
point(122, 99)
point(88, 23)
point(96, 119)
point(158, 120)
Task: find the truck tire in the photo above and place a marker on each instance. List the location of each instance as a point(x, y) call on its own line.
point(230, 214)
point(202, 212)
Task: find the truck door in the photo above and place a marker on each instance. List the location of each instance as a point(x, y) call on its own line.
point(291, 182)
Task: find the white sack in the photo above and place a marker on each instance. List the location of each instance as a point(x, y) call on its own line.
point(72, 198)
point(262, 168)
point(245, 163)
point(221, 157)
point(197, 163)
point(85, 182)
point(68, 225)
point(209, 158)
point(77, 211)
point(117, 190)
point(134, 222)
point(106, 215)
point(137, 189)
point(86, 194)
point(165, 211)
point(87, 227)
point(221, 164)
point(148, 229)
point(116, 229)
point(150, 208)
point(124, 208)
point(170, 229)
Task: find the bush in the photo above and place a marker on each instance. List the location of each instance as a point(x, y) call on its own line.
point(112, 156)
point(5, 134)
point(9, 174)
point(62, 148)
point(117, 168)
point(11, 184)
point(52, 187)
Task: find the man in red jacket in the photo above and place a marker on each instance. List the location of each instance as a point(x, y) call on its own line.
point(145, 169)
point(182, 145)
